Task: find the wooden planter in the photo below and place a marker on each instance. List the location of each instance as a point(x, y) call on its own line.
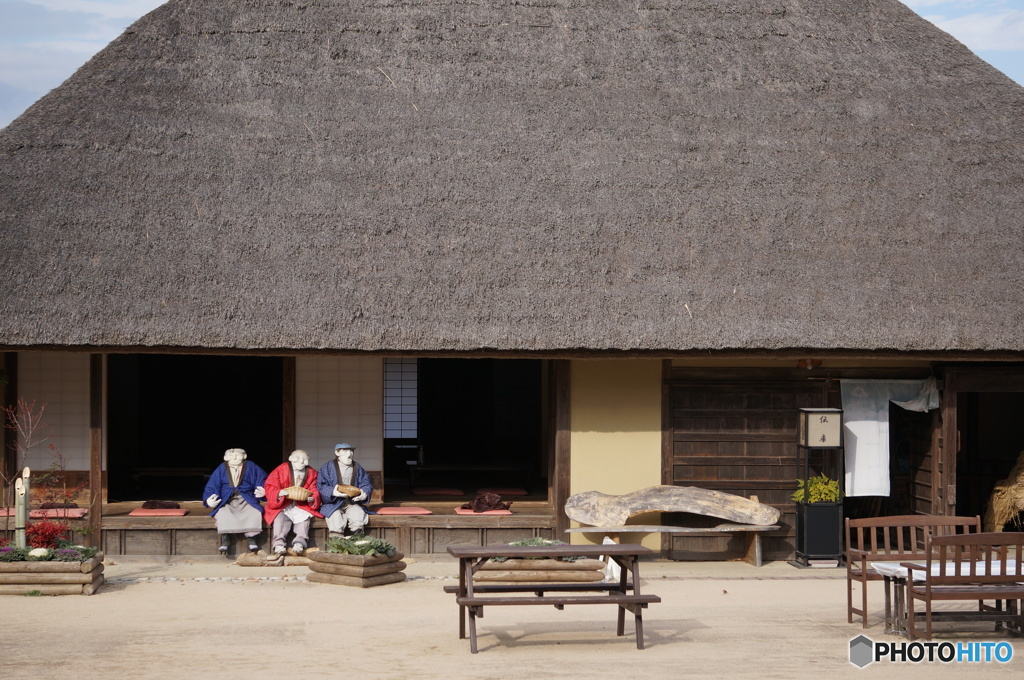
point(52, 578)
point(542, 571)
point(356, 571)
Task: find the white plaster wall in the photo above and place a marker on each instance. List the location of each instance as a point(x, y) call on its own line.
point(340, 399)
point(60, 380)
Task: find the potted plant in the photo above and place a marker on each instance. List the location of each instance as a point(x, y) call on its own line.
point(49, 565)
point(360, 561)
point(819, 521)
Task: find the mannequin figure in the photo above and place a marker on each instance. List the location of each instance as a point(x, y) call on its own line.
point(286, 514)
point(345, 512)
point(233, 492)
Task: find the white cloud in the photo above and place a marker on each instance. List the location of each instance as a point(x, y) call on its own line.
point(1002, 32)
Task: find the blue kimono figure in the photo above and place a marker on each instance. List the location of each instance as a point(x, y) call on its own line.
point(343, 510)
point(233, 491)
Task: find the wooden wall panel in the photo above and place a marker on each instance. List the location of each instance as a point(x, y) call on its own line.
point(738, 437)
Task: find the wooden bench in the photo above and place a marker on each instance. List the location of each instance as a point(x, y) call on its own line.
point(891, 539)
point(472, 597)
point(752, 534)
point(968, 567)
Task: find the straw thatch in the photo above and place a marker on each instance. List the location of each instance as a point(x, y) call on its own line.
point(1007, 500)
point(523, 176)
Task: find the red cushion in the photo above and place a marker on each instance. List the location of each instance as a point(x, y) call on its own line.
point(465, 511)
point(403, 511)
point(158, 512)
point(436, 491)
point(503, 491)
point(58, 513)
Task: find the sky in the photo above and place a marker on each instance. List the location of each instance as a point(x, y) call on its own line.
point(42, 42)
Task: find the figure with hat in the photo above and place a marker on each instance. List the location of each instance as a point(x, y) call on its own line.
point(233, 491)
point(345, 488)
point(292, 501)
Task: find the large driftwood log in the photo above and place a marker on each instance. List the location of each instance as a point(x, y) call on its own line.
point(354, 581)
point(545, 565)
point(352, 570)
point(599, 509)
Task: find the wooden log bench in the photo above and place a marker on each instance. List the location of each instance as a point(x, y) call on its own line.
point(973, 568)
point(608, 514)
point(624, 593)
point(891, 539)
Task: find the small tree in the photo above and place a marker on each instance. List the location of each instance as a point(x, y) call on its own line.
point(26, 419)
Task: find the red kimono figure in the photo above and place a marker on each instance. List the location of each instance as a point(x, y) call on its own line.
point(292, 501)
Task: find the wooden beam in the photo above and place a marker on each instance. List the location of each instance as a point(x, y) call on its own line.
point(287, 406)
point(10, 437)
point(563, 438)
point(96, 419)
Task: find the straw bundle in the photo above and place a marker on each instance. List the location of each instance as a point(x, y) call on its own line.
point(1007, 498)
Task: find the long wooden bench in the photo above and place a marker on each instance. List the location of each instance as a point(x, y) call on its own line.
point(974, 568)
point(891, 539)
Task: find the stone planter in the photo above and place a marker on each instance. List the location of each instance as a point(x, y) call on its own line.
point(52, 578)
point(356, 571)
point(542, 571)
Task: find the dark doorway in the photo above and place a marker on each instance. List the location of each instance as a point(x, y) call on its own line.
point(472, 423)
point(170, 419)
point(989, 445)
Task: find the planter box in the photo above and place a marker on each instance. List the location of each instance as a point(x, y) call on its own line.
point(819, 532)
point(355, 571)
point(52, 578)
point(541, 571)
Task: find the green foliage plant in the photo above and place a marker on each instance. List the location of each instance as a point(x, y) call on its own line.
point(819, 489)
point(537, 540)
point(360, 544)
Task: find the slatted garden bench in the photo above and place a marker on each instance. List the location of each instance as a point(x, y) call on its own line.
point(891, 539)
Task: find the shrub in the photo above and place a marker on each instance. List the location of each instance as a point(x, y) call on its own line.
point(46, 533)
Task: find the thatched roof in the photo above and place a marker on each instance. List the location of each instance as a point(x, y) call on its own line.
point(443, 175)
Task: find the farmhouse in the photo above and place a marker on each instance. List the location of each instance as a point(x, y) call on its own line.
point(550, 246)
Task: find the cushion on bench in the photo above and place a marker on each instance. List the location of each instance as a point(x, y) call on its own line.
point(403, 511)
point(52, 513)
point(467, 511)
point(436, 491)
point(158, 512)
point(503, 491)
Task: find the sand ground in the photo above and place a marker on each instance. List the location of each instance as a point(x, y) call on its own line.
point(209, 618)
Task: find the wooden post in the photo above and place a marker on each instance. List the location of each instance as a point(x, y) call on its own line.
point(563, 439)
point(95, 537)
point(22, 499)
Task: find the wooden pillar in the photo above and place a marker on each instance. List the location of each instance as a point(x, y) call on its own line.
point(944, 466)
point(666, 441)
point(95, 449)
point(563, 438)
point(10, 393)
point(287, 406)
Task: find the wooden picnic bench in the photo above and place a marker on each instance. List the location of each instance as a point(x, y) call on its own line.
point(891, 539)
point(968, 567)
point(625, 594)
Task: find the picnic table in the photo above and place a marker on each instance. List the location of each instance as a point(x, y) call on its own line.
point(898, 578)
point(473, 597)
